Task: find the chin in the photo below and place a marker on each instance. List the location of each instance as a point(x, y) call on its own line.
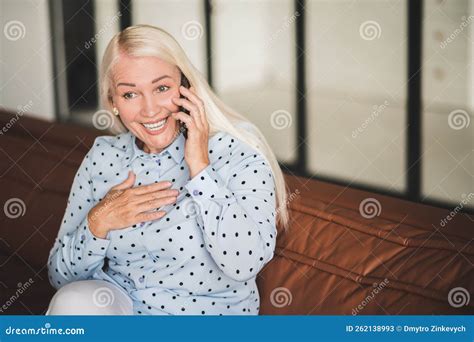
point(159, 138)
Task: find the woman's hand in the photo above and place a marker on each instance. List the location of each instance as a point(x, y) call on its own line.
point(125, 205)
point(196, 148)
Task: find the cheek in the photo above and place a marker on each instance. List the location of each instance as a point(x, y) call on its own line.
point(168, 103)
point(127, 111)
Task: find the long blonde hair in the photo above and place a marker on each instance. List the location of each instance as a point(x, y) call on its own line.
point(147, 40)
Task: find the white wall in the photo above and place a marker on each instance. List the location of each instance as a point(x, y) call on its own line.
point(448, 161)
point(254, 66)
point(26, 60)
point(356, 80)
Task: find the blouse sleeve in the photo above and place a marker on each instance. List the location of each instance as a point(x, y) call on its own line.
point(238, 218)
point(77, 253)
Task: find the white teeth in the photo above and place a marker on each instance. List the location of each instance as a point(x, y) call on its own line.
point(155, 126)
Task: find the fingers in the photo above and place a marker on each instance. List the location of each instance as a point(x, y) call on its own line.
point(127, 183)
point(192, 101)
point(187, 103)
point(144, 217)
point(156, 195)
point(188, 120)
point(200, 105)
point(154, 203)
point(143, 189)
point(194, 114)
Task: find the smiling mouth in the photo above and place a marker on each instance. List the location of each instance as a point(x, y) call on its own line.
point(156, 125)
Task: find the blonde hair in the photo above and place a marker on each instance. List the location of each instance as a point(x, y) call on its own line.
point(147, 40)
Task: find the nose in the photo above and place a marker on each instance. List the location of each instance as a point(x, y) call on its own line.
point(150, 107)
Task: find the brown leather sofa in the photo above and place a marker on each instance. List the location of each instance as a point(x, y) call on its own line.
point(335, 259)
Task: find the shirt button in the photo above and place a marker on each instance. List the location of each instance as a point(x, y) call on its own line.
point(196, 192)
point(142, 224)
point(83, 237)
point(141, 279)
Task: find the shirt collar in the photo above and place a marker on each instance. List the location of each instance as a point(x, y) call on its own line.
point(175, 149)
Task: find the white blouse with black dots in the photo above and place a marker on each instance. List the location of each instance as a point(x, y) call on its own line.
point(203, 256)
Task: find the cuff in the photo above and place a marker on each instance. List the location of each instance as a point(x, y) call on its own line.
point(206, 184)
point(92, 243)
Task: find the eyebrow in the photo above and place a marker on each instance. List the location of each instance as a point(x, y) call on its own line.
point(134, 85)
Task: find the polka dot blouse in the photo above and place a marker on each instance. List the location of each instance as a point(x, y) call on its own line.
point(202, 257)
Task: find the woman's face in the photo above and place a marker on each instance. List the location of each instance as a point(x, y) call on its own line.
point(142, 91)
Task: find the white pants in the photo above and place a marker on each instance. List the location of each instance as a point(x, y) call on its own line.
point(90, 297)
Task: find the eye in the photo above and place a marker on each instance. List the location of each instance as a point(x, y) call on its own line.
point(162, 88)
point(128, 95)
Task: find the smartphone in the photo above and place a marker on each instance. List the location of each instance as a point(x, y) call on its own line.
point(184, 83)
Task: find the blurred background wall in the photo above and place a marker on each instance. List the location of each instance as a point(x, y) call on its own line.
point(372, 94)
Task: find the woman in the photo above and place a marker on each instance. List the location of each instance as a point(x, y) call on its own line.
point(210, 173)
